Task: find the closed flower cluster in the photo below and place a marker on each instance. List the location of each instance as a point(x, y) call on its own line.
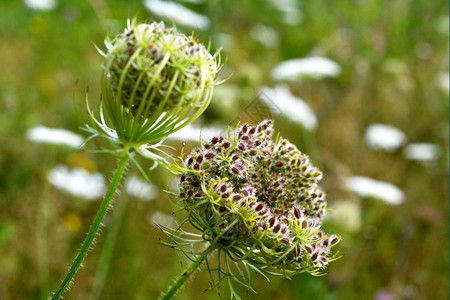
point(159, 66)
point(155, 81)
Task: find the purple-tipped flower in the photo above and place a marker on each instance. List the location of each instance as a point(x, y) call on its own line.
point(266, 193)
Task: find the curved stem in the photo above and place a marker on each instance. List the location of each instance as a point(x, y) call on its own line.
point(120, 170)
point(183, 277)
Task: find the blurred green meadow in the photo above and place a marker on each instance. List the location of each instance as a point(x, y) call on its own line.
point(393, 70)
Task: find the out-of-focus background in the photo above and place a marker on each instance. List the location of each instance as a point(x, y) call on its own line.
point(361, 86)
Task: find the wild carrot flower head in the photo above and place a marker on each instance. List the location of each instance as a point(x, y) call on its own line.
point(260, 198)
point(155, 81)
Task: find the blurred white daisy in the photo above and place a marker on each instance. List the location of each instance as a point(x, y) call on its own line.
point(315, 67)
point(77, 182)
point(177, 13)
point(42, 134)
point(40, 4)
point(368, 187)
point(384, 137)
point(139, 188)
point(280, 100)
point(425, 152)
point(191, 133)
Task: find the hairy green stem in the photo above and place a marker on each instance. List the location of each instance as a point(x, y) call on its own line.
point(171, 291)
point(108, 250)
point(120, 170)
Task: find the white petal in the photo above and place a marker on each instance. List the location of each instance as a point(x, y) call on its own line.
point(384, 137)
point(42, 134)
point(316, 67)
point(177, 13)
point(422, 151)
point(41, 4)
point(140, 188)
point(77, 182)
point(191, 133)
point(281, 101)
point(368, 187)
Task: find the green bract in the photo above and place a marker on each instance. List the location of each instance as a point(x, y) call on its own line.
point(155, 81)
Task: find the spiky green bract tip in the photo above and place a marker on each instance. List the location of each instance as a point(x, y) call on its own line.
point(259, 201)
point(155, 81)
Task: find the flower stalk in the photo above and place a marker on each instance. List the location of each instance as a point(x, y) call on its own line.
point(93, 231)
point(173, 289)
point(107, 251)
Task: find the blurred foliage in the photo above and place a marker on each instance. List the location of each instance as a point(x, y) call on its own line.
point(390, 52)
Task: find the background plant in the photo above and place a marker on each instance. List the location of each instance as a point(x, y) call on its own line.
point(392, 55)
